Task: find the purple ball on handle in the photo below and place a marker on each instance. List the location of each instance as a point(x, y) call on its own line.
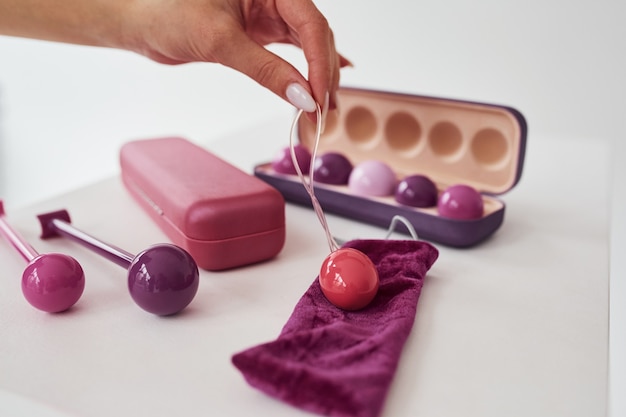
point(461, 202)
point(163, 279)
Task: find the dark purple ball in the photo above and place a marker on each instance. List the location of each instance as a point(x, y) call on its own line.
point(163, 279)
point(332, 168)
point(417, 191)
point(283, 163)
point(461, 202)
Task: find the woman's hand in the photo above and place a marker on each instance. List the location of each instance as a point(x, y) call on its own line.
point(234, 33)
point(230, 32)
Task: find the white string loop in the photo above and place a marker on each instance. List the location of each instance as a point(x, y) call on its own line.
point(309, 187)
point(394, 222)
point(308, 182)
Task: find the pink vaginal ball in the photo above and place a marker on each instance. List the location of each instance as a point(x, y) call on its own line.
point(283, 163)
point(332, 168)
point(372, 178)
point(349, 279)
point(53, 282)
point(460, 202)
point(417, 191)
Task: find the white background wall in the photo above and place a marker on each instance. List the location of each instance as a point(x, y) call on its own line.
point(65, 110)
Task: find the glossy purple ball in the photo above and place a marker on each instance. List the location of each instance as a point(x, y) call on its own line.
point(372, 178)
point(163, 279)
point(417, 191)
point(283, 163)
point(460, 202)
point(53, 282)
point(332, 168)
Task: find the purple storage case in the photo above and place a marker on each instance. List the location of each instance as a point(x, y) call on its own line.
point(450, 141)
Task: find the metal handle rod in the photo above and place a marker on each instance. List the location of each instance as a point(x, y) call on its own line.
point(23, 247)
point(113, 253)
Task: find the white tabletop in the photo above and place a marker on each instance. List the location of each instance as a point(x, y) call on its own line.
point(517, 326)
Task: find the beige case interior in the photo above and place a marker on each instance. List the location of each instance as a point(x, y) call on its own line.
point(449, 141)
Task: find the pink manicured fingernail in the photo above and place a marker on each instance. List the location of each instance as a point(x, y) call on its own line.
point(300, 98)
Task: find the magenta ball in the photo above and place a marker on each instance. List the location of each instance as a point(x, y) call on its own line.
point(372, 178)
point(460, 202)
point(53, 282)
point(283, 163)
point(417, 191)
point(163, 279)
point(332, 168)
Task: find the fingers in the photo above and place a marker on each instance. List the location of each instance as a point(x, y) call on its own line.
point(344, 62)
point(318, 43)
point(267, 69)
point(307, 28)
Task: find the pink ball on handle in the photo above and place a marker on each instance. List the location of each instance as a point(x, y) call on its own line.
point(53, 282)
point(349, 279)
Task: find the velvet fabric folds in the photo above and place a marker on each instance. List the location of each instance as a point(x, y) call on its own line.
point(341, 363)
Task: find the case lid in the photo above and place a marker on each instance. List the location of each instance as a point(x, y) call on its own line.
point(450, 141)
point(203, 196)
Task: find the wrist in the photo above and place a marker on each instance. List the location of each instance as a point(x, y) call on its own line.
point(126, 31)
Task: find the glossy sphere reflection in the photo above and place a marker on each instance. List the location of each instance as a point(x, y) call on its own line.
point(349, 279)
point(163, 279)
point(460, 202)
point(417, 191)
point(53, 282)
point(372, 178)
point(332, 168)
point(283, 163)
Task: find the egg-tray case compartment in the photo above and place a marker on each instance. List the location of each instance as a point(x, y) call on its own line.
point(450, 141)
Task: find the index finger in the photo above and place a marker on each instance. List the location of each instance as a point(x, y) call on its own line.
point(318, 44)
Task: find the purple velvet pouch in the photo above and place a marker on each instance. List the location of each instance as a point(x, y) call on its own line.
point(341, 363)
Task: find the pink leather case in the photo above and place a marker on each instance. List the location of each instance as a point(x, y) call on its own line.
point(221, 215)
